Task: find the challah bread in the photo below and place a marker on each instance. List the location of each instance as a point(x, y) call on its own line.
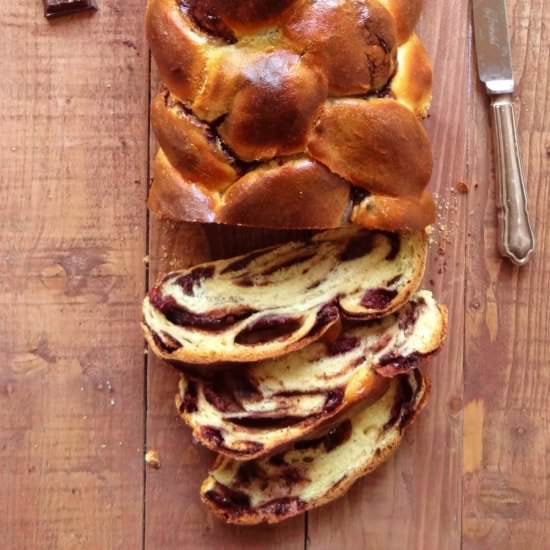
point(291, 113)
point(280, 299)
point(315, 471)
point(249, 412)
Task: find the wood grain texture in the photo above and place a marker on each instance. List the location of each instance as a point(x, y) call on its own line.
point(507, 376)
point(72, 225)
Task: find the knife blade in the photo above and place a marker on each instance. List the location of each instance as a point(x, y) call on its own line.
point(494, 60)
point(494, 57)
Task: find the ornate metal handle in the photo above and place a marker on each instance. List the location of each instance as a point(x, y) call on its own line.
point(516, 239)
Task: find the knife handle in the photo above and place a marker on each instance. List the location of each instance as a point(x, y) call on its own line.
point(516, 239)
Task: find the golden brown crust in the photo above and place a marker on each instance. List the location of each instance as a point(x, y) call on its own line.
point(376, 144)
point(171, 195)
point(253, 83)
point(412, 84)
point(190, 145)
point(229, 18)
point(283, 196)
point(275, 108)
point(362, 61)
point(178, 50)
point(390, 213)
point(406, 14)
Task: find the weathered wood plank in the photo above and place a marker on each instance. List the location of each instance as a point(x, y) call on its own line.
point(415, 500)
point(73, 150)
point(507, 380)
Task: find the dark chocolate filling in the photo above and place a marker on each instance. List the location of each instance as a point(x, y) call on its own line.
point(358, 246)
point(378, 298)
point(268, 328)
point(189, 401)
point(181, 316)
point(289, 263)
point(165, 342)
point(243, 262)
point(194, 278)
point(333, 438)
point(206, 18)
point(227, 498)
point(342, 345)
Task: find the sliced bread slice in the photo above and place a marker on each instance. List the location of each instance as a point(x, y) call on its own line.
point(315, 471)
point(280, 299)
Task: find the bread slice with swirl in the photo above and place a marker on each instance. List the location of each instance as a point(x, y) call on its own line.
point(315, 471)
point(280, 299)
point(248, 412)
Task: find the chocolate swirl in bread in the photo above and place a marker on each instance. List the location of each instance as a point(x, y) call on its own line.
point(249, 412)
point(315, 471)
point(291, 113)
point(280, 299)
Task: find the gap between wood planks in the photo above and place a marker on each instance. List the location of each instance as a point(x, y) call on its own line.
point(147, 275)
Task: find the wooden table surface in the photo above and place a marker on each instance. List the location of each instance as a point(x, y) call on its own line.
point(79, 399)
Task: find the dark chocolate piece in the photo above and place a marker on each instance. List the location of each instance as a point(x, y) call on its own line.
point(58, 8)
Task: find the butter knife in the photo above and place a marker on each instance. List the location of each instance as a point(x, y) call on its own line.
point(494, 59)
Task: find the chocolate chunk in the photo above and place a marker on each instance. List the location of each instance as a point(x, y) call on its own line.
point(342, 345)
point(208, 19)
point(189, 401)
point(338, 435)
point(334, 399)
point(165, 342)
point(220, 396)
point(408, 317)
point(227, 498)
point(395, 245)
point(378, 298)
point(394, 280)
point(58, 8)
point(357, 247)
point(403, 406)
point(392, 365)
point(268, 328)
point(194, 278)
point(327, 315)
point(212, 434)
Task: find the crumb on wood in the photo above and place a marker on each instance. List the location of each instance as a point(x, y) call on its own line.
point(462, 187)
point(152, 458)
point(146, 260)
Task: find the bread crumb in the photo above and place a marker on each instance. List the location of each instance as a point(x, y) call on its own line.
point(146, 260)
point(462, 187)
point(152, 458)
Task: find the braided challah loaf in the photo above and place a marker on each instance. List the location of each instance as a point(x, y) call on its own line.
point(291, 113)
